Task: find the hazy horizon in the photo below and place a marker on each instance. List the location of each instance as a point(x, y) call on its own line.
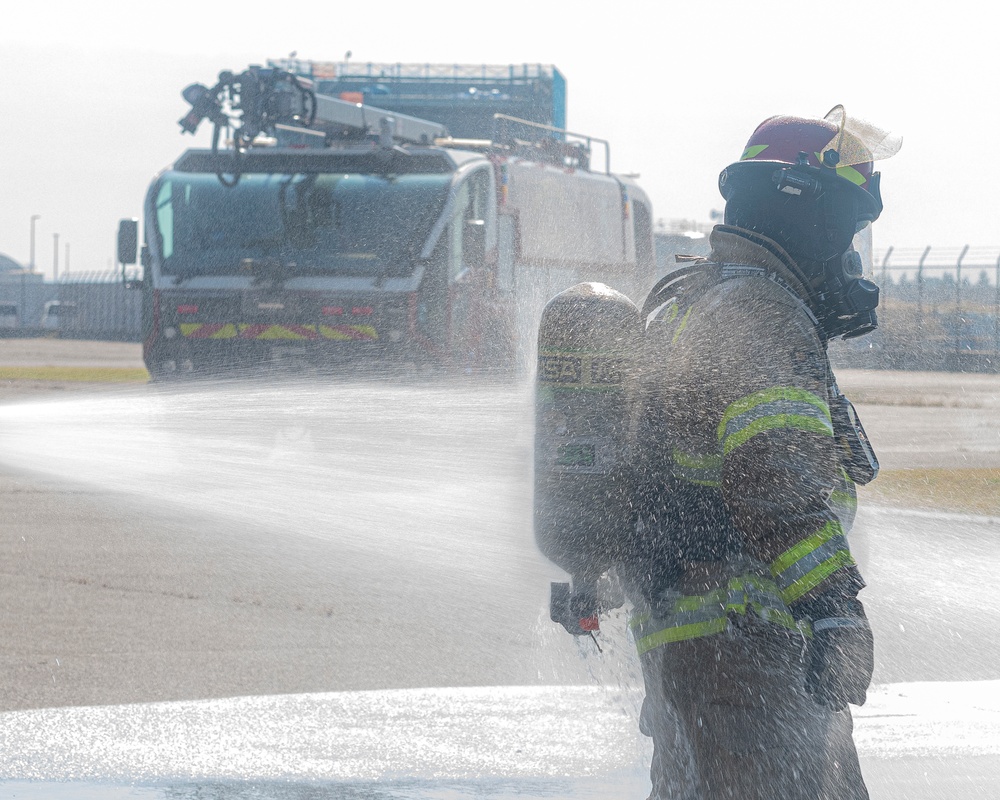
point(92, 98)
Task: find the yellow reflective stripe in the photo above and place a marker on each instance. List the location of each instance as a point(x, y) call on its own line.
point(846, 500)
point(751, 401)
point(812, 579)
point(280, 332)
point(680, 634)
point(700, 470)
point(714, 608)
point(803, 548)
point(638, 620)
point(852, 175)
point(753, 151)
point(690, 461)
point(670, 311)
point(792, 421)
point(683, 324)
point(227, 331)
point(340, 334)
point(696, 602)
point(775, 615)
point(847, 171)
point(845, 479)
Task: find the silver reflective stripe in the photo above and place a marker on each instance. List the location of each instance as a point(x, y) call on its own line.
point(679, 619)
point(840, 622)
point(777, 408)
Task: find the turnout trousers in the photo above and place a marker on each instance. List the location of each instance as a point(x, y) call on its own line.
point(730, 719)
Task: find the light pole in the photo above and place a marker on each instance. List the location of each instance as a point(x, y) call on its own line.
point(31, 258)
point(55, 257)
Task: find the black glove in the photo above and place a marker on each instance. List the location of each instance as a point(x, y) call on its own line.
point(841, 655)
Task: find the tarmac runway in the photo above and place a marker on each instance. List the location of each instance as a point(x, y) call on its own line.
point(196, 545)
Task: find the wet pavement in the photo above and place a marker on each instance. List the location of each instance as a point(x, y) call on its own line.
point(325, 591)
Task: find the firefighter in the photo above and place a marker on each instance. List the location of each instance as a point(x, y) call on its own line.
point(741, 473)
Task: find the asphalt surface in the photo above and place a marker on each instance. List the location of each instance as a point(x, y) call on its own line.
point(205, 543)
point(221, 541)
point(236, 542)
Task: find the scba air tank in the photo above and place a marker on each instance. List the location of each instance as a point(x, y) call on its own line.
point(587, 339)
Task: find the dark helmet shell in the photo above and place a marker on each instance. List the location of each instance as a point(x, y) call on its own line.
point(821, 147)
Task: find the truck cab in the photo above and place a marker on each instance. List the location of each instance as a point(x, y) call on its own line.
point(335, 257)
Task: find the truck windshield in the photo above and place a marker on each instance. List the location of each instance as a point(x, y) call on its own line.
point(288, 225)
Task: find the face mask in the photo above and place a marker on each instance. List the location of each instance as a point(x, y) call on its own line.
point(848, 298)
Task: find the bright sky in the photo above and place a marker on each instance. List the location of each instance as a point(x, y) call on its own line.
point(90, 97)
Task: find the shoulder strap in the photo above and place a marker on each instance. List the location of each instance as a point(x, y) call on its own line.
point(728, 271)
point(680, 283)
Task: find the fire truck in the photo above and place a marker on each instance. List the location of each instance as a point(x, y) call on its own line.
point(326, 227)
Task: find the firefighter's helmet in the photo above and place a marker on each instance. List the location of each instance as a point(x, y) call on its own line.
point(810, 185)
point(828, 148)
point(828, 160)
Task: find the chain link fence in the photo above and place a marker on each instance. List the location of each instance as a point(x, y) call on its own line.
point(81, 305)
point(939, 309)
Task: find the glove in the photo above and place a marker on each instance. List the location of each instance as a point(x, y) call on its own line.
point(841, 656)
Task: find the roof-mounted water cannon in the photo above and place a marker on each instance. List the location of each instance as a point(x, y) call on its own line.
point(250, 104)
point(203, 104)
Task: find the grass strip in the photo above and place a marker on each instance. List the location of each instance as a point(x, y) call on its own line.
point(79, 374)
point(966, 491)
